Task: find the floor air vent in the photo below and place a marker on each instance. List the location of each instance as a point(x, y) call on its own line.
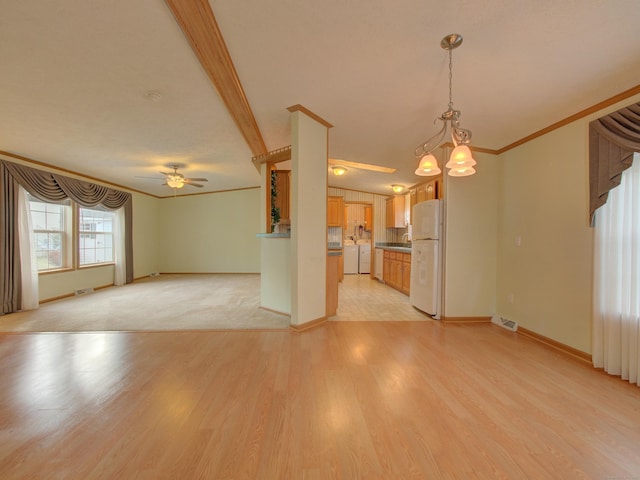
point(505, 323)
point(84, 291)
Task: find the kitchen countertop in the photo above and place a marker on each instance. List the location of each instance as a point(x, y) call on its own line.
point(395, 247)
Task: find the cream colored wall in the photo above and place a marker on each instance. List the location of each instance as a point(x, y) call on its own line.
point(544, 202)
point(308, 219)
point(275, 279)
point(146, 231)
point(471, 221)
point(212, 233)
point(145, 254)
point(55, 285)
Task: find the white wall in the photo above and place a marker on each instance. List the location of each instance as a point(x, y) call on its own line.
point(544, 201)
point(471, 225)
point(211, 233)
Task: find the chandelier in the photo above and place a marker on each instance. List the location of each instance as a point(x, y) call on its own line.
point(460, 162)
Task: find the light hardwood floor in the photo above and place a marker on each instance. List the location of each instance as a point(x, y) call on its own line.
point(347, 400)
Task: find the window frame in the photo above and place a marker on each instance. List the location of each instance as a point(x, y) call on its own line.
point(92, 234)
point(66, 234)
point(71, 236)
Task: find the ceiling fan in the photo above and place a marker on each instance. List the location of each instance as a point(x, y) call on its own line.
point(176, 180)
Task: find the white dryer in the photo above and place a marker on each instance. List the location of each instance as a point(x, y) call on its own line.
point(350, 259)
point(364, 265)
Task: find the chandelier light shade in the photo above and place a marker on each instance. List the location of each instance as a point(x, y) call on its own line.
point(461, 161)
point(339, 171)
point(428, 166)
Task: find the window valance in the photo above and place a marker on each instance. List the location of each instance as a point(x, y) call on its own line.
point(49, 187)
point(612, 141)
point(52, 187)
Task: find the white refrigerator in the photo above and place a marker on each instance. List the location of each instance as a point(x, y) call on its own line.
point(426, 264)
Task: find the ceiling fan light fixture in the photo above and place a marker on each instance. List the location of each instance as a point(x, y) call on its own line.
point(175, 181)
point(339, 170)
point(461, 162)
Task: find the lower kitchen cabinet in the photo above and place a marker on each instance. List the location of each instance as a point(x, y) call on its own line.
point(397, 270)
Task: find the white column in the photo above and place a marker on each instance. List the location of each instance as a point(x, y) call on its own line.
point(309, 139)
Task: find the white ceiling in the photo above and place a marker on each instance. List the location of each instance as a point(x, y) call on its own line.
point(76, 74)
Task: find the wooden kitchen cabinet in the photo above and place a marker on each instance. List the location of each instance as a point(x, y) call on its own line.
point(367, 218)
point(335, 211)
point(425, 191)
point(333, 274)
point(406, 273)
point(397, 270)
point(395, 214)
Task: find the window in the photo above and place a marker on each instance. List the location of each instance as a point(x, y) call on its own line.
point(51, 228)
point(95, 232)
point(54, 234)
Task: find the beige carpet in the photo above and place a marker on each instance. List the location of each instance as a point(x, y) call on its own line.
point(200, 302)
point(166, 302)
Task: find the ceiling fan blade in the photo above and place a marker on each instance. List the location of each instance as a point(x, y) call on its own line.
point(194, 184)
point(196, 180)
point(149, 178)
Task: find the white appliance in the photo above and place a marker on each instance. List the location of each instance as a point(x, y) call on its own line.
point(364, 265)
point(426, 269)
point(351, 259)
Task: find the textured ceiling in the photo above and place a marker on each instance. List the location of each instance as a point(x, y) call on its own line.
point(76, 75)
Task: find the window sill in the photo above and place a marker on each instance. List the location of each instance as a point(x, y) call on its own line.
point(96, 265)
point(57, 270)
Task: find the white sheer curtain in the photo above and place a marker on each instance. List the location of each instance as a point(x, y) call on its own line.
point(119, 277)
point(616, 312)
point(28, 264)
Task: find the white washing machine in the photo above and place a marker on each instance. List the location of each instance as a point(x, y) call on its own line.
point(364, 265)
point(350, 259)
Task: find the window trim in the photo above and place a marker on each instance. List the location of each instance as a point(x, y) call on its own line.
point(79, 232)
point(71, 240)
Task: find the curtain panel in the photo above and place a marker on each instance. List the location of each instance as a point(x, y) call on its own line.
point(49, 187)
point(613, 139)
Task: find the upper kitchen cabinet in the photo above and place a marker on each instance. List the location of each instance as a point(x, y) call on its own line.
point(367, 218)
point(335, 211)
point(395, 214)
point(425, 191)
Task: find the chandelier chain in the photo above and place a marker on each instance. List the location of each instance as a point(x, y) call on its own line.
point(450, 80)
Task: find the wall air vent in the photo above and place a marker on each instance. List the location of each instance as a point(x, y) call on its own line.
point(504, 323)
point(84, 291)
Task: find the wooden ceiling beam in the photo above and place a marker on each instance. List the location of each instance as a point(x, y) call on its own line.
point(199, 25)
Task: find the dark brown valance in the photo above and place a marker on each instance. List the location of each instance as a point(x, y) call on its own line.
point(613, 139)
point(49, 187)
